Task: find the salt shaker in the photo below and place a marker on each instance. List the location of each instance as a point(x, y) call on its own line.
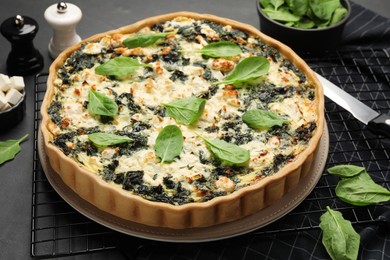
point(63, 18)
point(24, 58)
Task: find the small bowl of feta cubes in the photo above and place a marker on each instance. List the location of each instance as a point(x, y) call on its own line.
point(12, 101)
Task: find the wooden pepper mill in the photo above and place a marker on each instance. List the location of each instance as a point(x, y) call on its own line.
point(63, 18)
point(23, 59)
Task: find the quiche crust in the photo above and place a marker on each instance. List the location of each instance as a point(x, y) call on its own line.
point(239, 204)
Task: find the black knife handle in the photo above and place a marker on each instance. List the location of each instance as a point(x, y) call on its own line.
point(380, 125)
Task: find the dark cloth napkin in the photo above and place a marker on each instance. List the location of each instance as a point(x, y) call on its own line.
point(366, 29)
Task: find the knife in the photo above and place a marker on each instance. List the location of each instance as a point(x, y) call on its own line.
point(376, 122)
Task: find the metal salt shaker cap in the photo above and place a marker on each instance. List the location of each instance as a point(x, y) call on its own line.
point(62, 7)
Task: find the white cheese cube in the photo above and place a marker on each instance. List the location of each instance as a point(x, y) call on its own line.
point(17, 82)
point(2, 94)
point(5, 83)
point(13, 96)
point(3, 102)
point(7, 106)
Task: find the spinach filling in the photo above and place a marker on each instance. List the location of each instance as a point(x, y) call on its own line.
point(54, 112)
point(173, 193)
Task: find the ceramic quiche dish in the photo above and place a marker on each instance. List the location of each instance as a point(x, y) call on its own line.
point(181, 120)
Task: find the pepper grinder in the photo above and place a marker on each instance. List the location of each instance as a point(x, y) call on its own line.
point(63, 18)
point(23, 59)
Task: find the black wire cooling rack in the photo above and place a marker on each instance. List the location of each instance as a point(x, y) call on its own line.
point(59, 230)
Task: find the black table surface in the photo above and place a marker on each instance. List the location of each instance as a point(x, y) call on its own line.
point(99, 16)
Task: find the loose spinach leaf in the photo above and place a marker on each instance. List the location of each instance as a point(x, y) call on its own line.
point(186, 111)
point(324, 9)
point(338, 236)
point(169, 143)
point(346, 171)
point(106, 139)
point(229, 154)
point(219, 49)
point(100, 104)
point(119, 67)
point(248, 70)
point(144, 39)
point(262, 119)
point(361, 190)
point(10, 148)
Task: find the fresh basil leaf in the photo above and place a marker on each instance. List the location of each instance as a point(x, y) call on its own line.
point(106, 139)
point(169, 143)
point(10, 148)
point(346, 171)
point(338, 15)
point(281, 15)
point(324, 9)
point(340, 239)
point(144, 39)
point(220, 49)
point(361, 190)
point(100, 104)
point(248, 70)
point(229, 154)
point(119, 67)
point(262, 119)
point(186, 111)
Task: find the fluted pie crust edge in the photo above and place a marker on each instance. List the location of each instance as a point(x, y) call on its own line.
point(239, 204)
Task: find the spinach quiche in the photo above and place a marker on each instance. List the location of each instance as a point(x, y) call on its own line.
point(181, 120)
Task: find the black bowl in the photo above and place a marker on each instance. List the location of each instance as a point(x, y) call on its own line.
point(13, 115)
point(305, 40)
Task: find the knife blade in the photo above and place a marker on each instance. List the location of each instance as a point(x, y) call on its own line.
point(376, 122)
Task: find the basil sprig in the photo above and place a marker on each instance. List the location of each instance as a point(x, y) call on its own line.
point(186, 111)
point(106, 139)
point(262, 119)
point(358, 188)
point(338, 236)
point(119, 67)
point(248, 70)
point(10, 148)
point(100, 104)
point(145, 39)
point(219, 49)
point(228, 153)
point(169, 143)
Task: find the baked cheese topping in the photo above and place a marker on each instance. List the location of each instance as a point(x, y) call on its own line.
point(175, 69)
